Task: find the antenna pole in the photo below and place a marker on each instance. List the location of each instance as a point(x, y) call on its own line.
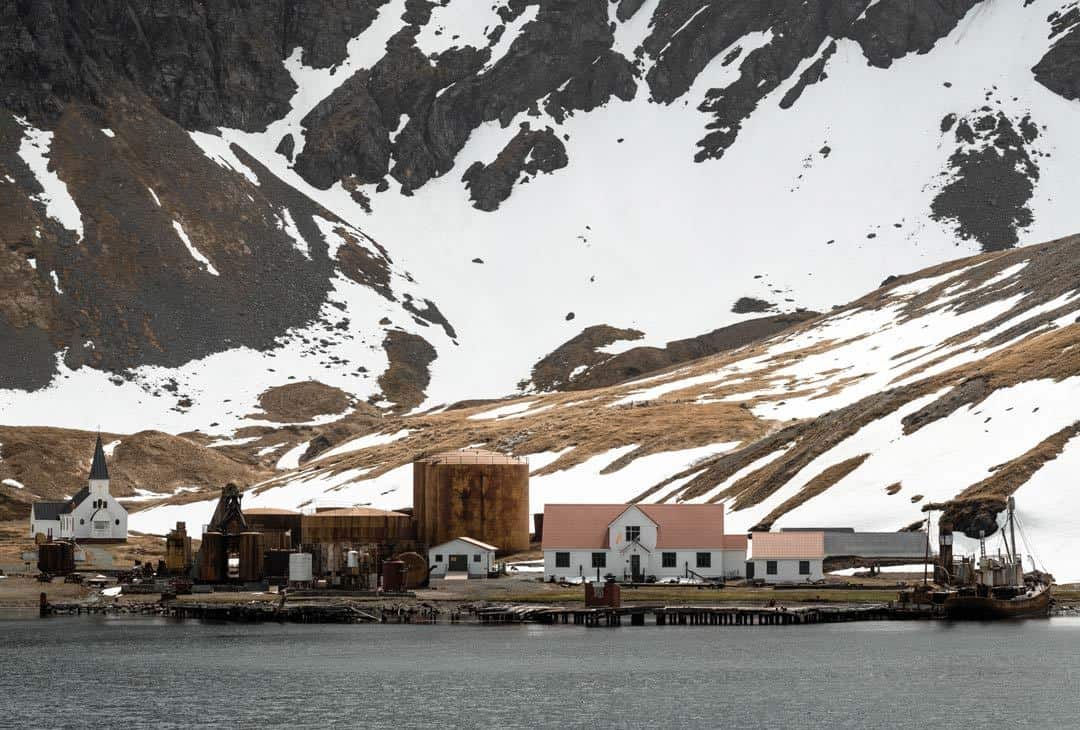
point(929, 515)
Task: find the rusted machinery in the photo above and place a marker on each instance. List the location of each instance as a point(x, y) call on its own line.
point(56, 557)
point(472, 493)
point(178, 555)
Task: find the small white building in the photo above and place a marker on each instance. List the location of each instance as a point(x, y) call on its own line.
point(786, 557)
point(463, 556)
point(92, 515)
point(640, 542)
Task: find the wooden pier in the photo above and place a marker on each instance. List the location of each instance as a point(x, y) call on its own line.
point(684, 615)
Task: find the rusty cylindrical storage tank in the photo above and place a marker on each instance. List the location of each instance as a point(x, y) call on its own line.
point(393, 576)
point(472, 493)
point(416, 569)
point(251, 556)
point(212, 558)
point(56, 558)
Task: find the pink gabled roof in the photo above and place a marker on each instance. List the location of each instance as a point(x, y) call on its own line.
point(679, 526)
point(687, 526)
point(787, 545)
point(578, 526)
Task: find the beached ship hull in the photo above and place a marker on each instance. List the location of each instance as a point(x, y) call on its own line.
point(984, 608)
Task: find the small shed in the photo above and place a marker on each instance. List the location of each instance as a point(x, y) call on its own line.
point(786, 557)
point(461, 557)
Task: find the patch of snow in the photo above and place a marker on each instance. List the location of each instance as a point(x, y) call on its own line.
point(364, 442)
point(55, 282)
point(217, 149)
point(108, 133)
point(501, 411)
point(59, 205)
point(110, 447)
point(13, 483)
point(233, 442)
point(195, 253)
point(154, 196)
point(291, 458)
point(270, 449)
point(289, 226)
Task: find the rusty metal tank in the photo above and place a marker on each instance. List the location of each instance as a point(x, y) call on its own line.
point(56, 558)
point(472, 493)
point(251, 556)
point(416, 569)
point(212, 558)
point(393, 576)
point(276, 564)
point(280, 526)
point(357, 526)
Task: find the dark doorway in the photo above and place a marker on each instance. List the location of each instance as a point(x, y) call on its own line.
point(749, 571)
point(635, 569)
point(458, 563)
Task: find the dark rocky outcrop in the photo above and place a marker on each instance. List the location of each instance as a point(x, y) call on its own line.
point(1059, 69)
point(746, 305)
point(204, 65)
point(407, 376)
point(992, 178)
point(577, 364)
point(528, 153)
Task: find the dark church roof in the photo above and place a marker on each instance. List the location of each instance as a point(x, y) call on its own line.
point(48, 510)
point(98, 470)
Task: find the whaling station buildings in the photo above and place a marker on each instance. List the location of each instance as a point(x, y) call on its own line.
point(469, 507)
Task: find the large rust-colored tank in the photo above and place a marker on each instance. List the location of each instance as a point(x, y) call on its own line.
point(251, 556)
point(472, 493)
point(178, 550)
point(274, 523)
point(56, 558)
point(212, 558)
point(357, 526)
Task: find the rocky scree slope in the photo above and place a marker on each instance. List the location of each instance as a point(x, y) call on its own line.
point(381, 194)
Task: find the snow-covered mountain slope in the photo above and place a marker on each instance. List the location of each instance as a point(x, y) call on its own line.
point(956, 385)
point(199, 203)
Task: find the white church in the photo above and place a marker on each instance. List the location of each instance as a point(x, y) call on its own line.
point(92, 515)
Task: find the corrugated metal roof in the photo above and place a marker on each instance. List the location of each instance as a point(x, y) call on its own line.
point(471, 541)
point(357, 512)
point(269, 511)
point(787, 545)
point(50, 511)
point(472, 456)
point(679, 526)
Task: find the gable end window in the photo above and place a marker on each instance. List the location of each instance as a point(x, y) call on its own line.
point(562, 560)
point(599, 560)
point(704, 560)
point(438, 557)
point(804, 567)
point(633, 533)
point(667, 560)
point(476, 557)
point(770, 567)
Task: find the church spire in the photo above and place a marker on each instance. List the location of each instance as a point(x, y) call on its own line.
point(98, 470)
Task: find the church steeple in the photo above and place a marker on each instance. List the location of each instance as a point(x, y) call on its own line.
point(98, 469)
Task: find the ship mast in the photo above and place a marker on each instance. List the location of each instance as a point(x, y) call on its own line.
point(1012, 530)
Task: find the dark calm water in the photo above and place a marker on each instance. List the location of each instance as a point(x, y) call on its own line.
point(148, 673)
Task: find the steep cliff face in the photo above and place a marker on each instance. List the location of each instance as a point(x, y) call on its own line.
point(415, 199)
